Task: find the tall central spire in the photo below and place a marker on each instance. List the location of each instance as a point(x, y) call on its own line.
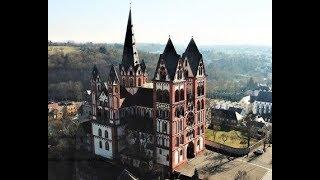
point(130, 54)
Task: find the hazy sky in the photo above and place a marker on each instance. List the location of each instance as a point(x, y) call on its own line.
point(209, 21)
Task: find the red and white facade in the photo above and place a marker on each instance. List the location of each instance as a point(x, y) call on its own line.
point(174, 105)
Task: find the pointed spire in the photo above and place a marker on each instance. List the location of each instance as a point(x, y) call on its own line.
point(193, 55)
point(130, 54)
point(169, 47)
point(113, 76)
point(170, 58)
point(143, 66)
point(95, 72)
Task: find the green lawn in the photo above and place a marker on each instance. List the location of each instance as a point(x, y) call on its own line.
point(64, 49)
point(232, 138)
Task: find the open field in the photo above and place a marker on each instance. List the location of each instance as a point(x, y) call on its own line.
point(232, 138)
point(64, 49)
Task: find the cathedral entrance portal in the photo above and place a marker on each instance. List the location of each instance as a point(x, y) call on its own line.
point(190, 150)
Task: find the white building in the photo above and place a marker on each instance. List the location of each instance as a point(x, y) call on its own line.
point(263, 103)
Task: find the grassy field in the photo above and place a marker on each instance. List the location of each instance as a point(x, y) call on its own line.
point(232, 138)
point(64, 49)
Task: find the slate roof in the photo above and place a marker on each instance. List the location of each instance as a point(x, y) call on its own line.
point(143, 97)
point(225, 114)
point(193, 55)
point(123, 92)
point(235, 109)
point(113, 76)
point(143, 66)
point(130, 53)
point(140, 124)
point(264, 96)
point(171, 59)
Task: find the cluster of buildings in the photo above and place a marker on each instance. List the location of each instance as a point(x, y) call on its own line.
point(141, 122)
point(259, 101)
point(56, 110)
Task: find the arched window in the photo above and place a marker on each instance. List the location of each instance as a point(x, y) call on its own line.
point(163, 74)
point(99, 112)
point(179, 74)
point(202, 90)
point(190, 119)
point(100, 144)
point(131, 73)
point(106, 135)
point(159, 95)
point(181, 94)
point(202, 104)
point(177, 141)
point(165, 96)
point(198, 90)
point(99, 132)
point(198, 130)
point(131, 82)
point(164, 127)
point(107, 146)
point(177, 112)
point(181, 139)
point(116, 89)
point(198, 105)
point(139, 82)
point(176, 96)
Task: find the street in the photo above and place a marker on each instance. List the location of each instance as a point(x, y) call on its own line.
point(212, 165)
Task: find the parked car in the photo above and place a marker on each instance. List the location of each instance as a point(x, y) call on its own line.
point(258, 152)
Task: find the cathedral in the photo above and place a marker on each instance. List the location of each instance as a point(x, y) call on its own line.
point(162, 117)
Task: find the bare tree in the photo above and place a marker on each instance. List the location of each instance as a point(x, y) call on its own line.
point(248, 121)
point(241, 175)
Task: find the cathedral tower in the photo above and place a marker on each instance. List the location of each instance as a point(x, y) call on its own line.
point(132, 71)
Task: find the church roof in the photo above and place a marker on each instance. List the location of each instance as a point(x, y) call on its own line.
point(171, 59)
point(130, 53)
point(143, 97)
point(193, 55)
point(143, 66)
point(224, 113)
point(113, 76)
point(264, 96)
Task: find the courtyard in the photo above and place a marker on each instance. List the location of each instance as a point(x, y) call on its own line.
point(232, 138)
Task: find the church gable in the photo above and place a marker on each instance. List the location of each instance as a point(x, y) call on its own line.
point(161, 73)
point(179, 75)
point(170, 58)
point(187, 69)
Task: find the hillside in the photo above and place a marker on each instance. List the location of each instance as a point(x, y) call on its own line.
point(228, 68)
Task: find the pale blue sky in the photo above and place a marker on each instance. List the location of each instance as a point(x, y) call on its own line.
point(209, 21)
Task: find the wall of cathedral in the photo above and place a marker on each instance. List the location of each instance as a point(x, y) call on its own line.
point(102, 139)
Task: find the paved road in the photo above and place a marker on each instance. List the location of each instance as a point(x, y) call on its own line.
point(212, 165)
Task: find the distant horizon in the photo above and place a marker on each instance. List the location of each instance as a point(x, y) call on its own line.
point(228, 22)
point(175, 44)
